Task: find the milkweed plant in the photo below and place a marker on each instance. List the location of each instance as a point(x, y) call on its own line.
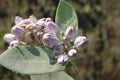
point(43, 48)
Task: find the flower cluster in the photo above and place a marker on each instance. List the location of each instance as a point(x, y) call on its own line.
point(43, 32)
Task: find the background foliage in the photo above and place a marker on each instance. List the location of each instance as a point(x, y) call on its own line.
point(99, 20)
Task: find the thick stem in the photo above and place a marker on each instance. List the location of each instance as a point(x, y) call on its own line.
point(76, 69)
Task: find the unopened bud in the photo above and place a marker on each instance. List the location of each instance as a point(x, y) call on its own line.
point(49, 39)
point(9, 37)
point(24, 23)
point(18, 19)
point(33, 19)
point(65, 39)
point(72, 52)
point(63, 59)
point(18, 31)
point(37, 27)
point(49, 20)
point(40, 24)
point(40, 33)
point(81, 42)
point(14, 43)
point(58, 48)
point(51, 27)
point(70, 32)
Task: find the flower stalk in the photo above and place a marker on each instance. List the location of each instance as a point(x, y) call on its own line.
point(75, 68)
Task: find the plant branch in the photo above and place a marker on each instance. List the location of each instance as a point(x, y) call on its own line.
point(76, 69)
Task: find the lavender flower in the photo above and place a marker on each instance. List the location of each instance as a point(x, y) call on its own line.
point(14, 43)
point(63, 59)
point(72, 52)
point(58, 48)
point(9, 37)
point(81, 42)
point(40, 24)
point(49, 39)
point(18, 19)
point(33, 19)
point(70, 32)
point(39, 34)
point(18, 31)
point(51, 27)
point(48, 20)
point(22, 23)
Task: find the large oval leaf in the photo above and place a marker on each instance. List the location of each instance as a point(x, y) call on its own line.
point(65, 16)
point(52, 76)
point(29, 60)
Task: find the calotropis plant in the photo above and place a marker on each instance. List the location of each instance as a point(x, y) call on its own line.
point(42, 47)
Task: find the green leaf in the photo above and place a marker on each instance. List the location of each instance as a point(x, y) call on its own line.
point(52, 76)
point(65, 16)
point(30, 60)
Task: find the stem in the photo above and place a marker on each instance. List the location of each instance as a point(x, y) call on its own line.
point(76, 69)
point(36, 38)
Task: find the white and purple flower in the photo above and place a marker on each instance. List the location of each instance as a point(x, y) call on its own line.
point(9, 37)
point(63, 59)
point(72, 52)
point(49, 39)
point(81, 42)
point(70, 32)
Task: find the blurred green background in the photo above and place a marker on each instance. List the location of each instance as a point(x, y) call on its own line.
point(99, 20)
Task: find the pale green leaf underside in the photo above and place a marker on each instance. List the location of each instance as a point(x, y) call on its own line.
point(29, 60)
point(52, 76)
point(65, 16)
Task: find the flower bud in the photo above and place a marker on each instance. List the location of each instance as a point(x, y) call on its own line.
point(49, 39)
point(40, 24)
point(72, 52)
point(70, 32)
point(49, 20)
point(18, 19)
point(65, 39)
point(24, 23)
point(37, 27)
point(14, 43)
point(40, 33)
point(33, 19)
point(27, 21)
point(58, 48)
point(18, 31)
point(81, 42)
point(51, 27)
point(63, 59)
point(9, 37)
